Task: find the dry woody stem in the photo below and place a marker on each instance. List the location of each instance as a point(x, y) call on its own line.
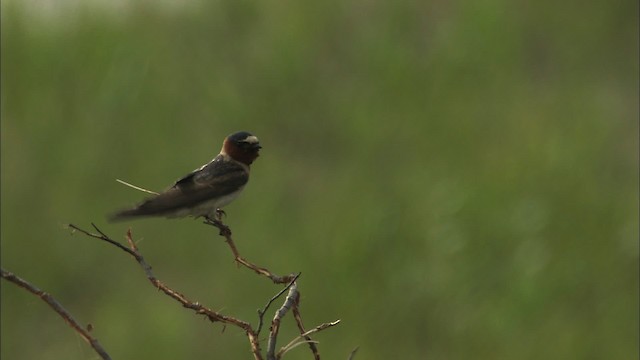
point(291, 301)
point(226, 233)
point(55, 305)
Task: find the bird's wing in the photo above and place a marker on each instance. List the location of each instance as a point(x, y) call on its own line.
point(218, 178)
point(222, 176)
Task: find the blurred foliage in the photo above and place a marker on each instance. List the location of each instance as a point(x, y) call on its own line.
point(454, 180)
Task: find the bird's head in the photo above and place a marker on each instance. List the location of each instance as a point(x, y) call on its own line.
point(242, 146)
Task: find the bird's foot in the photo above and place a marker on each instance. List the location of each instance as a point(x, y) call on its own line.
point(215, 221)
point(219, 214)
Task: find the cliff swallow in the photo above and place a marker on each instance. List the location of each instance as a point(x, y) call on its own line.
point(206, 189)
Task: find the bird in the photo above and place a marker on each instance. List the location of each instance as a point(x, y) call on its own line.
point(204, 191)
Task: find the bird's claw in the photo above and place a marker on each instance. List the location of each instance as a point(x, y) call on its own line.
point(217, 222)
point(219, 214)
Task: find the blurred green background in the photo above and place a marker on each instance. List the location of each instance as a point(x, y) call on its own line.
point(454, 180)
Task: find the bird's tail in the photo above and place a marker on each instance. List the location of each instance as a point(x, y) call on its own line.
point(126, 215)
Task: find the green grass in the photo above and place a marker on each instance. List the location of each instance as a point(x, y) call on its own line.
point(453, 180)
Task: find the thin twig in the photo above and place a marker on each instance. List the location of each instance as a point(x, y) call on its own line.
point(280, 355)
point(103, 238)
point(298, 340)
point(226, 233)
point(289, 302)
point(266, 307)
point(292, 300)
point(312, 345)
point(212, 315)
point(55, 305)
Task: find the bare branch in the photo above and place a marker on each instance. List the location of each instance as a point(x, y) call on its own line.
point(266, 307)
point(55, 305)
point(212, 315)
point(226, 233)
point(291, 279)
point(312, 345)
point(295, 345)
point(102, 237)
point(290, 301)
point(299, 340)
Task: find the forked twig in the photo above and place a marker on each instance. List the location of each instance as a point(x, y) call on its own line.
point(299, 339)
point(266, 307)
point(291, 301)
point(212, 315)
